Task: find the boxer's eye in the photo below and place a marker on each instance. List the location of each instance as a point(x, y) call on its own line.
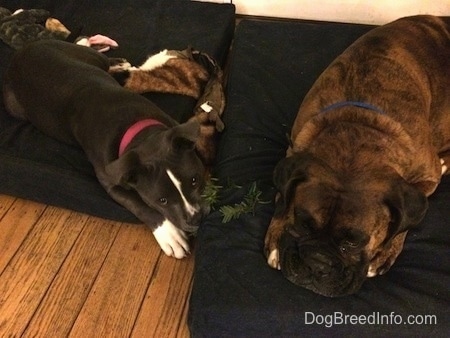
point(163, 201)
point(348, 246)
point(304, 220)
point(306, 224)
point(194, 181)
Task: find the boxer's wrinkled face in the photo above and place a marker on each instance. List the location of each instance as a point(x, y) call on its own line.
point(340, 230)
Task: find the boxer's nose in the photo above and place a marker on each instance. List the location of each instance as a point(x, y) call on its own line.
point(320, 264)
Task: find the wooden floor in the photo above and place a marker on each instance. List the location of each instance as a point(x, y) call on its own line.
point(64, 273)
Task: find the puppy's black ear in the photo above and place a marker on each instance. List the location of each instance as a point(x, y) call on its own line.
point(123, 170)
point(407, 205)
point(287, 174)
point(184, 135)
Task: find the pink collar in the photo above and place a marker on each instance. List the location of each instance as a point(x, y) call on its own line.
point(134, 130)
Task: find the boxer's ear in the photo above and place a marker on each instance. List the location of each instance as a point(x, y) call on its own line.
point(407, 205)
point(287, 174)
point(427, 187)
point(123, 170)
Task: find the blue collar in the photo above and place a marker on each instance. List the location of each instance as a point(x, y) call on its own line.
point(352, 103)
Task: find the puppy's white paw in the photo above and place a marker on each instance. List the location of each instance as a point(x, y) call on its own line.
point(274, 259)
point(172, 240)
point(444, 166)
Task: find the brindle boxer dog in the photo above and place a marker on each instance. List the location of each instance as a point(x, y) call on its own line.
point(369, 144)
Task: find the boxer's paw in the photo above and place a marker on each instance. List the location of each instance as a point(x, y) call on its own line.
point(383, 261)
point(274, 259)
point(271, 242)
point(444, 167)
point(172, 240)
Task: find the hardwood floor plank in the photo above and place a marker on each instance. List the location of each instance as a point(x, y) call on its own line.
point(70, 288)
point(64, 273)
point(15, 225)
point(162, 311)
point(5, 203)
point(116, 297)
point(28, 275)
point(183, 331)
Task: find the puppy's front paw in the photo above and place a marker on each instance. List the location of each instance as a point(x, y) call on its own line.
point(172, 240)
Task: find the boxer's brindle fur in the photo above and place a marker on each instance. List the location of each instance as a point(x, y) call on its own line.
point(369, 145)
point(66, 92)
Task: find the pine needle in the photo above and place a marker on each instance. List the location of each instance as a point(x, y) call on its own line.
point(248, 205)
point(211, 192)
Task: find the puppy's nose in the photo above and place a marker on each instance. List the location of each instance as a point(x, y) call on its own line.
point(195, 218)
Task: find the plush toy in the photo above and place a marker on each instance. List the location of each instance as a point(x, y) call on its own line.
point(24, 26)
point(99, 42)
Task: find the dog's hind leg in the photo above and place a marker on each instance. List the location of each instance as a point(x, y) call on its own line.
point(12, 105)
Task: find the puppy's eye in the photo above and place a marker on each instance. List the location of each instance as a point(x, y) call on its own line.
point(194, 181)
point(163, 201)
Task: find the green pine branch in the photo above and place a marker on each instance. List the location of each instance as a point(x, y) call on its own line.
point(211, 192)
point(248, 205)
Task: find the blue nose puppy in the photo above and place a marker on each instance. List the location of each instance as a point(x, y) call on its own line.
point(143, 158)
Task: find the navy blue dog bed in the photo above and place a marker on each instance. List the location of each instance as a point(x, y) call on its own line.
point(235, 293)
point(36, 167)
point(273, 64)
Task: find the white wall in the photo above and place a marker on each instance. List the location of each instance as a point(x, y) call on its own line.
point(358, 11)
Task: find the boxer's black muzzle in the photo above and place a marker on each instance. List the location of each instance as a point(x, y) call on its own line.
point(317, 265)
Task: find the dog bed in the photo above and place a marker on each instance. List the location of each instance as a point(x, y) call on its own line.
point(36, 167)
point(235, 293)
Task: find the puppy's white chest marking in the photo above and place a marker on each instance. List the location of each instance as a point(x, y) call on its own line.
point(156, 60)
point(190, 209)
